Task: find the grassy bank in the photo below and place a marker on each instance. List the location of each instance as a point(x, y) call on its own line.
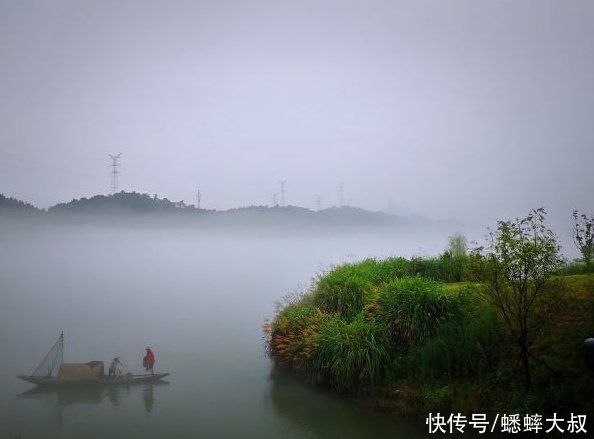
point(418, 336)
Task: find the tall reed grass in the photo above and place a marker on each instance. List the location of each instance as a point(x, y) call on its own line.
point(413, 307)
point(356, 322)
point(378, 325)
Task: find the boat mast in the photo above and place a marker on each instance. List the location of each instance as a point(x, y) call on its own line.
point(61, 350)
point(54, 357)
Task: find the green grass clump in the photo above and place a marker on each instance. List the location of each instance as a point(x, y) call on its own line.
point(351, 355)
point(356, 321)
point(347, 288)
point(445, 268)
point(290, 333)
point(413, 307)
point(343, 291)
point(462, 347)
point(389, 269)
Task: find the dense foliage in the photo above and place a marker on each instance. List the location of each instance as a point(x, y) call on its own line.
point(399, 332)
point(363, 324)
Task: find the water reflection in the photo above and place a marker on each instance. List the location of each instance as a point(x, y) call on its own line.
point(93, 395)
point(149, 399)
point(65, 397)
point(318, 413)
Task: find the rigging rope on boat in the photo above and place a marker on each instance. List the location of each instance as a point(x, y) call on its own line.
point(55, 357)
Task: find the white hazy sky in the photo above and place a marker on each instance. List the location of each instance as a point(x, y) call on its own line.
point(477, 109)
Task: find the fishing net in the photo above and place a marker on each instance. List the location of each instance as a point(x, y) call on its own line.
point(52, 360)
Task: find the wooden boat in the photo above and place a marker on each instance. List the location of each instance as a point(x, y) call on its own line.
point(123, 380)
point(77, 374)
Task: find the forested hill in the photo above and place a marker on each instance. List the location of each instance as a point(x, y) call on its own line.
point(133, 208)
point(122, 202)
point(12, 206)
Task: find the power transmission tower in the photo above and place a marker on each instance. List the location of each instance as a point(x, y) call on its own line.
point(198, 199)
point(283, 200)
point(341, 190)
point(115, 164)
point(319, 202)
point(274, 200)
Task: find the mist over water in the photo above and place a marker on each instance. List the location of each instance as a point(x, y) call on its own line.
point(199, 299)
point(440, 113)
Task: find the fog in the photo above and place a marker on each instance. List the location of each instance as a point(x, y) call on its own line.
point(199, 299)
point(468, 109)
point(199, 295)
point(450, 115)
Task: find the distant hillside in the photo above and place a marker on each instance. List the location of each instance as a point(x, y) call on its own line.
point(11, 205)
point(122, 202)
point(134, 208)
point(300, 217)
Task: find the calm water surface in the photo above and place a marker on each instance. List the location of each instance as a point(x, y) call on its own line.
point(199, 300)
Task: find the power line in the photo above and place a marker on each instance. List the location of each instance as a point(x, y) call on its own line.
point(115, 164)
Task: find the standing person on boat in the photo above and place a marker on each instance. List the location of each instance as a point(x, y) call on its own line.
point(149, 360)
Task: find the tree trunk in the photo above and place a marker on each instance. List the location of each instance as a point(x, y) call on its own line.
point(525, 363)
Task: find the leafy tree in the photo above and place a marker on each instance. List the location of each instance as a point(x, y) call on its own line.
point(583, 235)
point(457, 244)
point(516, 274)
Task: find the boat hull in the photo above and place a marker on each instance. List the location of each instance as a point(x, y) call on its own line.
point(102, 381)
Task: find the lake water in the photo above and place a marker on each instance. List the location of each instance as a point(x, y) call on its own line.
point(200, 301)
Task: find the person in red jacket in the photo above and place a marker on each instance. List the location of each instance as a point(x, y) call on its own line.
point(149, 360)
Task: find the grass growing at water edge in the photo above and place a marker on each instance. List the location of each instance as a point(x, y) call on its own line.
point(373, 330)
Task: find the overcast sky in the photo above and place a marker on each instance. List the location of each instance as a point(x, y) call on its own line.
point(476, 109)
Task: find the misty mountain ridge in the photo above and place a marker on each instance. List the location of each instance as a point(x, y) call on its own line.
point(134, 207)
point(9, 205)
